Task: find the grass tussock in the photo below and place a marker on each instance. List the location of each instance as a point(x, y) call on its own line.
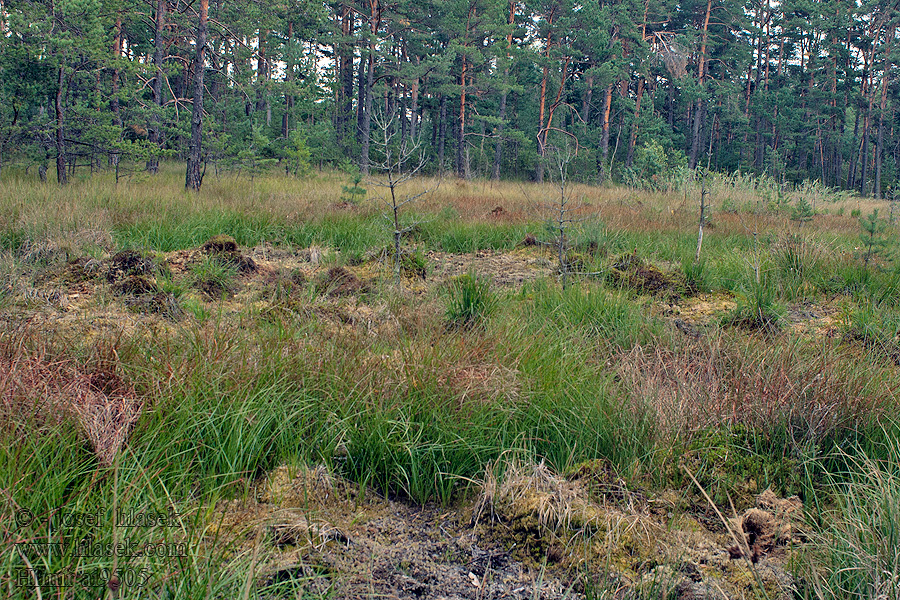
point(470, 301)
point(810, 390)
point(856, 553)
point(40, 393)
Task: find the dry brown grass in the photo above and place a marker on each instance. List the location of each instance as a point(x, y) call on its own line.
point(532, 496)
point(753, 383)
point(39, 391)
point(96, 205)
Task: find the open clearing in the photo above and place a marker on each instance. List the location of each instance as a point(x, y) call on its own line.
point(470, 428)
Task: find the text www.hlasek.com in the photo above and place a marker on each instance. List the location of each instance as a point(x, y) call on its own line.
point(91, 549)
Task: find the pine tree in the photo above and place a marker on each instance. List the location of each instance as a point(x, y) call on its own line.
point(872, 238)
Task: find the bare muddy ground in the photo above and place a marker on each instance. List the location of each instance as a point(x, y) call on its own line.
point(536, 535)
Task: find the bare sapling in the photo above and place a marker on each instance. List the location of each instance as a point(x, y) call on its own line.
point(395, 160)
point(704, 191)
point(563, 209)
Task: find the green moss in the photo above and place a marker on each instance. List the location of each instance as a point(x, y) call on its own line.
point(218, 244)
point(734, 463)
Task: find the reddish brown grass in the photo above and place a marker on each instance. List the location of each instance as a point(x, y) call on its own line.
point(756, 384)
point(39, 391)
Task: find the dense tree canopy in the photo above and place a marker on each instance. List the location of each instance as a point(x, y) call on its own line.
point(797, 89)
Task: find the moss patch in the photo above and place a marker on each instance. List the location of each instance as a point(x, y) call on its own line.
point(633, 272)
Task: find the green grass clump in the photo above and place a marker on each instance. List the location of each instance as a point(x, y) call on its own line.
point(696, 274)
point(470, 301)
point(181, 229)
point(757, 306)
point(856, 553)
point(875, 328)
point(214, 277)
point(797, 261)
point(348, 233)
point(608, 317)
point(461, 237)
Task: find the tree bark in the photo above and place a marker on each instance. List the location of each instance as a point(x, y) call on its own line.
point(586, 100)
point(344, 52)
point(159, 55)
point(851, 170)
point(461, 170)
point(604, 137)
point(114, 101)
point(289, 97)
point(194, 177)
point(539, 172)
point(634, 124)
point(864, 150)
point(414, 106)
point(61, 175)
point(498, 142)
point(362, 71)
point(366, 113)
point(879, 140)
point(262, 76)
point(347, 84)
point(699, 112)
point(365, 127)
point(442, 133)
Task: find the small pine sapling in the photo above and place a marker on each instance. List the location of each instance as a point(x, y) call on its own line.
point(873, 236)
point(802, 212)
point(353, 194)
point(297, 155)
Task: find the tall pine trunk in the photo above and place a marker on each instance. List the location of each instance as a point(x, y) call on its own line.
point(634, 124)
point(365, 121)
point(461, 162)
point(879, 140)
point(542, 134)
point(194, 177)
point(159, 55)
point(414, 106)
point(539, 170)
point(442, 133)
point(262, 76)
point(864, 150)
point(700, 110)
point(288, 78)
point(344, 52)
point(361, 91)
point(60, 108)
point(851, 170)
point(864, 141)
point(498, 142)
point(586, 100)
point(347, 84)
point(114, 101)
point(604, 136)
point(365, 126)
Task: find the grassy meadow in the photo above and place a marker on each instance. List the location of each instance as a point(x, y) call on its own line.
point(166, 353)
